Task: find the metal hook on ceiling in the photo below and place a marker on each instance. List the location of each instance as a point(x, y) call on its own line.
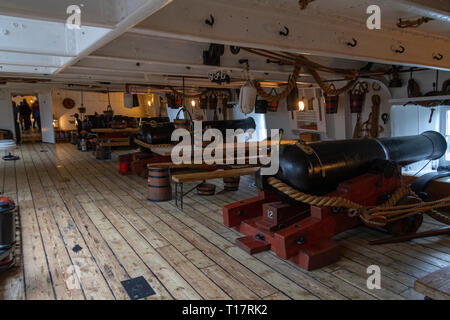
point(285, 33)
point(210, 21)
point(400, 49)
point(235, 50)
point(438, 56)
point(353, 44)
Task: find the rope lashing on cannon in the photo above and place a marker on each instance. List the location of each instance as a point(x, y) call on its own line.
point(379, 216)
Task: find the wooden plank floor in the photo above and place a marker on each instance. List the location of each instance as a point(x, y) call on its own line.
point(69, 200)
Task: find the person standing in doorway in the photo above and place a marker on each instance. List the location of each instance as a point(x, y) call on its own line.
point(25, 113)
point(36, 115)
point(16, 122)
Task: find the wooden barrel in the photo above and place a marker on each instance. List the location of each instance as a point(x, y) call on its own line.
point(231, 183)
point(206, 189)
point(159, 188)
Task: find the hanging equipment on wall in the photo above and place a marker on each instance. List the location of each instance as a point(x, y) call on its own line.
point(247, 96)
point(358, 96)
point(109, 112)
point(413, 88)
point(331, 101)
point(82, 109)
point(413, 23)
point(372, 126)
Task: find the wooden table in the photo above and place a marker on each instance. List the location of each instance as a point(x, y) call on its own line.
point(179, 179)
point(436, 285)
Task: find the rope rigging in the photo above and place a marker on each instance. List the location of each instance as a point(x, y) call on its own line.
point(379, 216)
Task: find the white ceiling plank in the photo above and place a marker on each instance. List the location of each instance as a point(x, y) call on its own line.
point(322, 36)
point(139, 14)
point(96, 13)
point(30, 59)
point(26, 69)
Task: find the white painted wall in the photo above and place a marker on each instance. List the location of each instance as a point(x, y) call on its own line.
point(46, 112)
point(94, 102)
point(6, 113)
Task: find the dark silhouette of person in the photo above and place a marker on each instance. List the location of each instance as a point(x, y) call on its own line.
point(16, 123)
point(25, 113)
point(79, 123)
point(36, 115)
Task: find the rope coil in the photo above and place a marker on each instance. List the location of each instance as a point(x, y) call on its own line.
point(379, 216)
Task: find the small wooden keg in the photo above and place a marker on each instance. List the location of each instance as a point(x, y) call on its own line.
point(206, 189)
point(159, 188)
point(231, 183)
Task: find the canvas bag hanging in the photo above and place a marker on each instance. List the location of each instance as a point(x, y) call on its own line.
point(247, 98)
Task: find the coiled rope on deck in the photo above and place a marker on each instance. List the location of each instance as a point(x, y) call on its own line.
point(379, 216)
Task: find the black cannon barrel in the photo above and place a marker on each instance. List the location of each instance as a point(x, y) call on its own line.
point(156, 130)
point(222, 125)
point(319, 167)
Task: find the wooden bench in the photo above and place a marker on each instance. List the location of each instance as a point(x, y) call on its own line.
point(179, 179)
point(436, 285)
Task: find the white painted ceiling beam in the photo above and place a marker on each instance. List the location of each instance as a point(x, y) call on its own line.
point(10, 58)
point(328, 36)
point(140, 13)
point(436, 9)
point(98, 13)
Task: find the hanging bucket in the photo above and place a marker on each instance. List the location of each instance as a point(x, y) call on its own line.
point(331, 102)
point(159, 188)
point(357, 97)
point(183, 123)
point(109, 112)
point(272, 106)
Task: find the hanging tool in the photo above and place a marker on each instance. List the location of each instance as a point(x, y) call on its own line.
point(431, 115)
